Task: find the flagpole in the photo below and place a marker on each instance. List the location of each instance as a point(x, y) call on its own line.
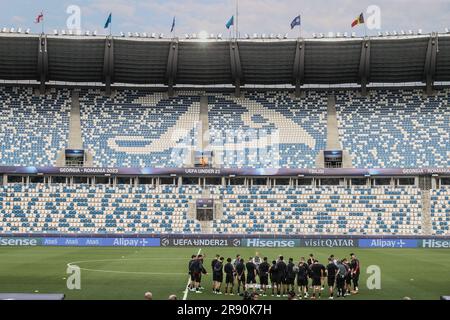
point(43, 21)
point(237, 20)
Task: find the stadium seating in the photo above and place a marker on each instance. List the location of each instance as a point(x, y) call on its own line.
point(323, 210)
point(33, 129)
point(440, 211)
point(135, 128)
point(101, 209)
point(280, 210)
point(395, 128)
point(267, 129)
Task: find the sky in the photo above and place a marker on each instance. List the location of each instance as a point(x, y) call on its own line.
point(255, 16)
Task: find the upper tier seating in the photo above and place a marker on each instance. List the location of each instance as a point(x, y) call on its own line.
point(267, 129)
point(33, 129)
point(135, 128)
point(395, 128)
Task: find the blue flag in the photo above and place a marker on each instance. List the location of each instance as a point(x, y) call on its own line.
point(173, 25)
point(108, 21)
point(230, 22)
point(295, 22)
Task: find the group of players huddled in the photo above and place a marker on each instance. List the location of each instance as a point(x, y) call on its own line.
point(339, 275)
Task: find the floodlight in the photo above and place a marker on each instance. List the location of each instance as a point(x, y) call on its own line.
point(219, 36)
point(87, 33)
point(255, 36)
point(285, 36)
point(419, 31)
point(246, 36)
point(380, 34)
point(129, 34)
point(345, 34)
point(122, 34)
point(447, 30)
point(27, 31)
point(12, 30)
point(353, 34)
point(55, 32)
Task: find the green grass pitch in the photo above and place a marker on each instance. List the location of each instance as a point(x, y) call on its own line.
point(126, 273)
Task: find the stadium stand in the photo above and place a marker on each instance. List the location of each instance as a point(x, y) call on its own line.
point(135, 128)
point(268, 129)
point(124, 209)
point(33, 128)
point(323, 210)
point(440, 211)
point(395, 128)
point(100, 209)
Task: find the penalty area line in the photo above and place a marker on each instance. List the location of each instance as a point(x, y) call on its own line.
point(186, 291)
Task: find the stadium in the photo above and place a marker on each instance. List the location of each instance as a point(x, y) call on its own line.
point(122, 156)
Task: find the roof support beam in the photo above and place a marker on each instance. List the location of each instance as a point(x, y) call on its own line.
point(364, 66)
point(172, 66)
point(430, 63)
point(42, 62)
point(236, 67)
point(299, 66)
point(108, 64)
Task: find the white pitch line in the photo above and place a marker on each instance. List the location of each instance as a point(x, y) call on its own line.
point(186, 291)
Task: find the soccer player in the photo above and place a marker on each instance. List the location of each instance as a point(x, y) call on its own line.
point(203, 271)
point(310, 260)
point(302, 278)
point(332, 269)
point(273, 273)
point(355, 269)
point(229, 278)
point(282, 271)
point(317, 274)
point(290, 275)
point(348, 277)
point(240, 275)
point(251, 274)
point(191, 284)
point(264, 275)
point(213, 263)
point(197, 269)
point(218, 275)
point(340, 279)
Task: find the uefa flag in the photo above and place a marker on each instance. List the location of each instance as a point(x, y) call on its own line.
point(230, 22)
point(296, 22)
point(108, 21)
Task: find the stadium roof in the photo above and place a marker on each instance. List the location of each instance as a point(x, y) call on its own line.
point(419, 58)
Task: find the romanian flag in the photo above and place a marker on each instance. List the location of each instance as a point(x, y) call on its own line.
point(358, 20)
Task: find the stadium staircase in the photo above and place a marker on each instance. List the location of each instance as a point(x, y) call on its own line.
point(333, 141)
point(425, 186)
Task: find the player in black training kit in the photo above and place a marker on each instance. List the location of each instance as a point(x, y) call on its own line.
point(348, 278)
point(355, 270)
point(332, 269)
point(340, 279)
point(229, 277)
point(281, 272)
point(290, 275)
point(218, 275)
point(273, 273)
point(263, 272)
point(213, 263)
point(240, 275)
point(251, 274)
point(317, 274)
point(191, 286)
point(302, 278)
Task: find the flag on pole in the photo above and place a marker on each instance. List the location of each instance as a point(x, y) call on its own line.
point(296, 22)
point(108, 21)
point(39, 18)
point(230, 22)
point(173, 25)
point(358, 20)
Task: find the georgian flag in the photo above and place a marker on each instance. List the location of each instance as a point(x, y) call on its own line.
point(39, 18)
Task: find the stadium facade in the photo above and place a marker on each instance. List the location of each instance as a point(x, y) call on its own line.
point(191, 137)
